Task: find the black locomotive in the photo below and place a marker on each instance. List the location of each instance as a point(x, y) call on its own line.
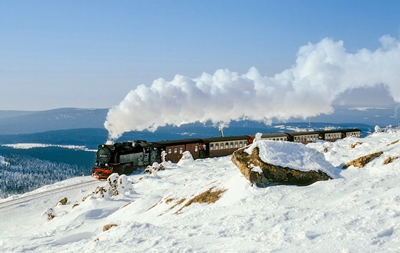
point(125, 157)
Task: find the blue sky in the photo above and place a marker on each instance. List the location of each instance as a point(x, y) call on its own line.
point(90, 54)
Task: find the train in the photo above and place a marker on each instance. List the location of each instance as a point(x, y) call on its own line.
point(126, 157)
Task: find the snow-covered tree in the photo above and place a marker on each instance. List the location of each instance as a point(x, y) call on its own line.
point(118, 185)
point(22, 174)
point(163, 155)
point(257, 137)
point(124, 185)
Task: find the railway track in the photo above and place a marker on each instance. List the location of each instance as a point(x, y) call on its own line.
point(24, 199)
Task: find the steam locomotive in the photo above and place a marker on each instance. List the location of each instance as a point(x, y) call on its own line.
point(125, 157)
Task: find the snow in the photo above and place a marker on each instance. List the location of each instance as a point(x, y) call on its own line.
point(293, 155)
point(356, 212)
point(187, 158)
point(41, 145)
point(256, 169)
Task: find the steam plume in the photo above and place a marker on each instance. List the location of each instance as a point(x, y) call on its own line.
point(322, 71)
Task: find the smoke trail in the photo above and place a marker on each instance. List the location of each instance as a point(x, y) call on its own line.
point(321, 73)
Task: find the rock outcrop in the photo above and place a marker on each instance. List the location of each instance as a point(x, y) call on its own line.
point(356, 144)
point(108, 226)
point(363, 160)
point(63, 201)
point(390, 159)
point(262, 173)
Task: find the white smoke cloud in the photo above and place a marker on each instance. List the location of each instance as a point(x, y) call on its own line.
point(321, 73)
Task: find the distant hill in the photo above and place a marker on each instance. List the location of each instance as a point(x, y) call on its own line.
point(28, 122)
point(23, 122)
point(88, 137)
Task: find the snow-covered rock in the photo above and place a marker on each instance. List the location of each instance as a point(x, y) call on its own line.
point(271, 162)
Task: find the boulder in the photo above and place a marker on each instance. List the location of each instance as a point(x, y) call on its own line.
point(263, 173)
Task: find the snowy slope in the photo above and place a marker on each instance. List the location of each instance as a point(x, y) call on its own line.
point(359, 211)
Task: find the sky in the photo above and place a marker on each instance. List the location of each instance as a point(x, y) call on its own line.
point(91, 54)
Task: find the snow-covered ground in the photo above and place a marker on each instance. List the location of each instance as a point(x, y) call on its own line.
point(358, 211)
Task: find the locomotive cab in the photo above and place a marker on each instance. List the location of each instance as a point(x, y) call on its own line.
point(122, 158)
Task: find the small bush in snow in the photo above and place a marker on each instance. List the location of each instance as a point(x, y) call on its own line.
point(50, 213)
point(153, 168)
point(124, 185)
point(112, 184)
point(118, 185)
point(97, 193)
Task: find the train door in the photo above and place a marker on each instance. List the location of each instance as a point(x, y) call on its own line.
point(140, 159)
point(194, 149)
point(203, 150)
